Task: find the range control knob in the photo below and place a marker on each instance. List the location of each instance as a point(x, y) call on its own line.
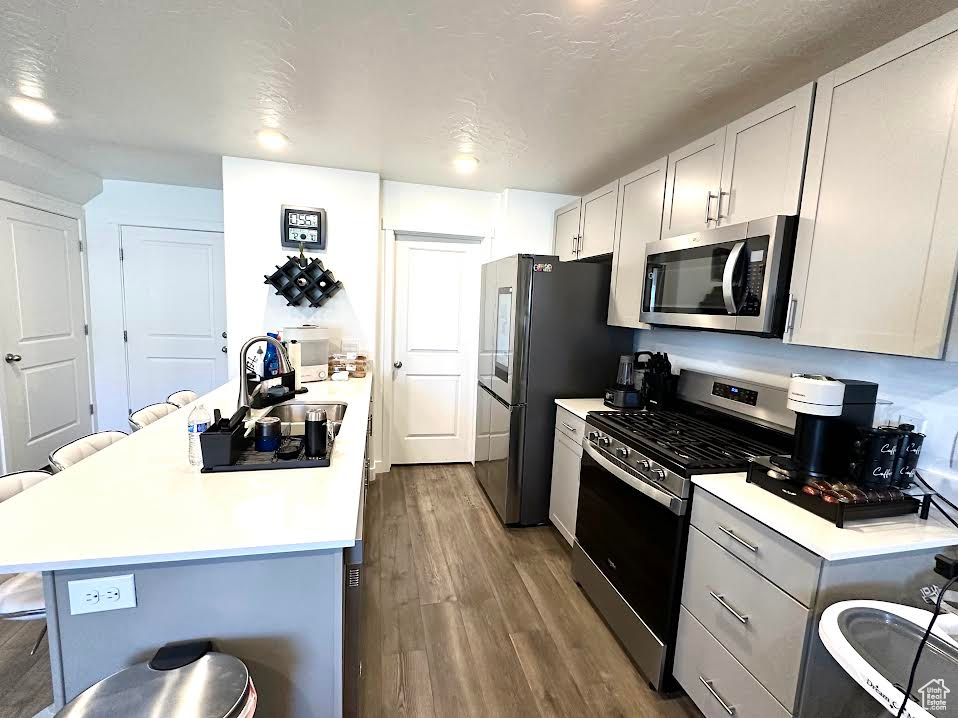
point(605, 441)
point(593, 435)
point(644, 465)
point(658, 474)
point(623, 451)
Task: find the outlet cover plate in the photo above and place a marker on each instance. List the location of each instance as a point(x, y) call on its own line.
point(89, 595)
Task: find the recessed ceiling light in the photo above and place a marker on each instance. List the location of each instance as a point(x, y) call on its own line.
point(465, 164)
point(272, 139)
point(32, 109)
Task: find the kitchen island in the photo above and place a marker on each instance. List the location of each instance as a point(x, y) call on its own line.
point(255, 560)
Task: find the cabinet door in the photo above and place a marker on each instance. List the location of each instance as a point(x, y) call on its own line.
point(566, 231)
point(638, 221)
point(877, 245)
point(564, 495)
point(598, 221)
point(692, 186)
point(765, 158)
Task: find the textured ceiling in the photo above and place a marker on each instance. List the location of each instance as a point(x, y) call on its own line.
point(553, 95)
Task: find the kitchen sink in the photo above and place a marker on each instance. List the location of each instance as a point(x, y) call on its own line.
point(296, 413)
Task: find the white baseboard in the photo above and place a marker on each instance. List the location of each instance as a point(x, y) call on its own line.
point(47, 712)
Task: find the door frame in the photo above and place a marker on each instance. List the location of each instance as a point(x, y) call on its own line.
point(386, 323)
point(45, 203)
point(123, 313)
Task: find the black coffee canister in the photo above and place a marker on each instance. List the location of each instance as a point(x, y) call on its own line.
point(909, 448)
point(874, 454)
point(316, 433)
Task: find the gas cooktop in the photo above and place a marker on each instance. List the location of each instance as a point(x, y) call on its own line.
point(690, 443)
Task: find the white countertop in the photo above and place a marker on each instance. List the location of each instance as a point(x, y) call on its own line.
point(581, 407)
point(139, 501)
point(873, 537)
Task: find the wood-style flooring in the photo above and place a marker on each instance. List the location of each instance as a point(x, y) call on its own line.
point(24, 679)
point(466, 618)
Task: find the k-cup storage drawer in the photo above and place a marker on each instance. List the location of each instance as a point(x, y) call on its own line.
point(783, 562)
point(570, 425)
point(757, 622)
point(717, 683)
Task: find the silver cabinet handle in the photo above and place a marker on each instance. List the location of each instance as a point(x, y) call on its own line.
point(727, 607)
point(708, 207)
point(11, 358)
point(570, 427)
point(708, 684)
point(735, 537)
point(574, 240)
point(790, 314)
point(718, 214)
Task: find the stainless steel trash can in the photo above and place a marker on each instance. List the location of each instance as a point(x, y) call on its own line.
point(187, 680)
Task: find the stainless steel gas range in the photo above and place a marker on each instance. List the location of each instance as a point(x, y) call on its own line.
point(635, 494)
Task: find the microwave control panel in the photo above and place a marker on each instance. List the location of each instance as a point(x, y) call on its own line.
point(303, 225)
point(754, 279)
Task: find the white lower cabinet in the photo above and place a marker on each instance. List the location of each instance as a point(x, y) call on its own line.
point(566, 458)
point(718, 684)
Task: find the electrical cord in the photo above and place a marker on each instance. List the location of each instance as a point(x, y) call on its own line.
point(921, 646)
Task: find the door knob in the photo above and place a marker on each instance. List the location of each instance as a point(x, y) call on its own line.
point(397, 364)
point(223, 349)
point(224, 335)
point(10, 358)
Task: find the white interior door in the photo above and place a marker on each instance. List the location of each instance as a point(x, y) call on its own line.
point(46, 372)
point(175, 311)
point(435, 334)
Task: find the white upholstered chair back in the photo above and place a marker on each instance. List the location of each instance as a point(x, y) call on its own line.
point(68, 455)
point(182, 397)
point(13, 484)
point(148, 414)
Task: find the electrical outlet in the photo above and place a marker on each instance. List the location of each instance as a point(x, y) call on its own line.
point(108, 593)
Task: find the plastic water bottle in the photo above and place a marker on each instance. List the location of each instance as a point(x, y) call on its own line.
point(198, 422)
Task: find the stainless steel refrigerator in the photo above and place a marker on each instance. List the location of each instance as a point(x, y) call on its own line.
point(543, 335)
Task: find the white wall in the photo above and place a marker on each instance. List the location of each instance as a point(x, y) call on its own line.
point(438, 210)
point(141, 204)
point(924, 392)
point(524, 222)
point(253, 192)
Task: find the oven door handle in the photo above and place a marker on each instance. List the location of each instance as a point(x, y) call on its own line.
point(728, 291)
point(672, 503)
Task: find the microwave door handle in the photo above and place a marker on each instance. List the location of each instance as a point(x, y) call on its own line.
point(728, 275)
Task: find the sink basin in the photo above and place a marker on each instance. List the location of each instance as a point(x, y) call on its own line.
point(296, 413)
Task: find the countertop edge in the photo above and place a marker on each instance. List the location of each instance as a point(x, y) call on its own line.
point(715, 483)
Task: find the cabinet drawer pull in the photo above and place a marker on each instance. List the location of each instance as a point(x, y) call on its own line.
point(570, 427)
point(727, 607)
point(718, 213)
point(735, 537)
point(708, 684)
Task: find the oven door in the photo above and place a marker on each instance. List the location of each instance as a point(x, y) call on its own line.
point(726, 278)
point(635, 533)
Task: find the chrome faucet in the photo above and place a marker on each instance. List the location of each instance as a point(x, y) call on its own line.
point(284, 367)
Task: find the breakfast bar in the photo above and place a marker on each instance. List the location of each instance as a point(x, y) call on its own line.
point(256, 561)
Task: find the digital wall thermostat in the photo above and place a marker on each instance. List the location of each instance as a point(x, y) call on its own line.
point(303, 225)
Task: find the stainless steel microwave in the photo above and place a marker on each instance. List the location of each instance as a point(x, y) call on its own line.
point(732, 278)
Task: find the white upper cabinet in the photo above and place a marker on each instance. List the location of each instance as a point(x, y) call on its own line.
point(692, 186)
point(764, 160)
point(875, 260)
point(597, 234)
point(566, 231)
point(638, 221)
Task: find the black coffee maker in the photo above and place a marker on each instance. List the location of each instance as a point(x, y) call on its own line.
point(829, 413)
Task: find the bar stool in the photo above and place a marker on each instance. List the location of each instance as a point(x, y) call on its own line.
point(182, 397)
point(148, 414)
point(69, 454)
point(21, 597)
